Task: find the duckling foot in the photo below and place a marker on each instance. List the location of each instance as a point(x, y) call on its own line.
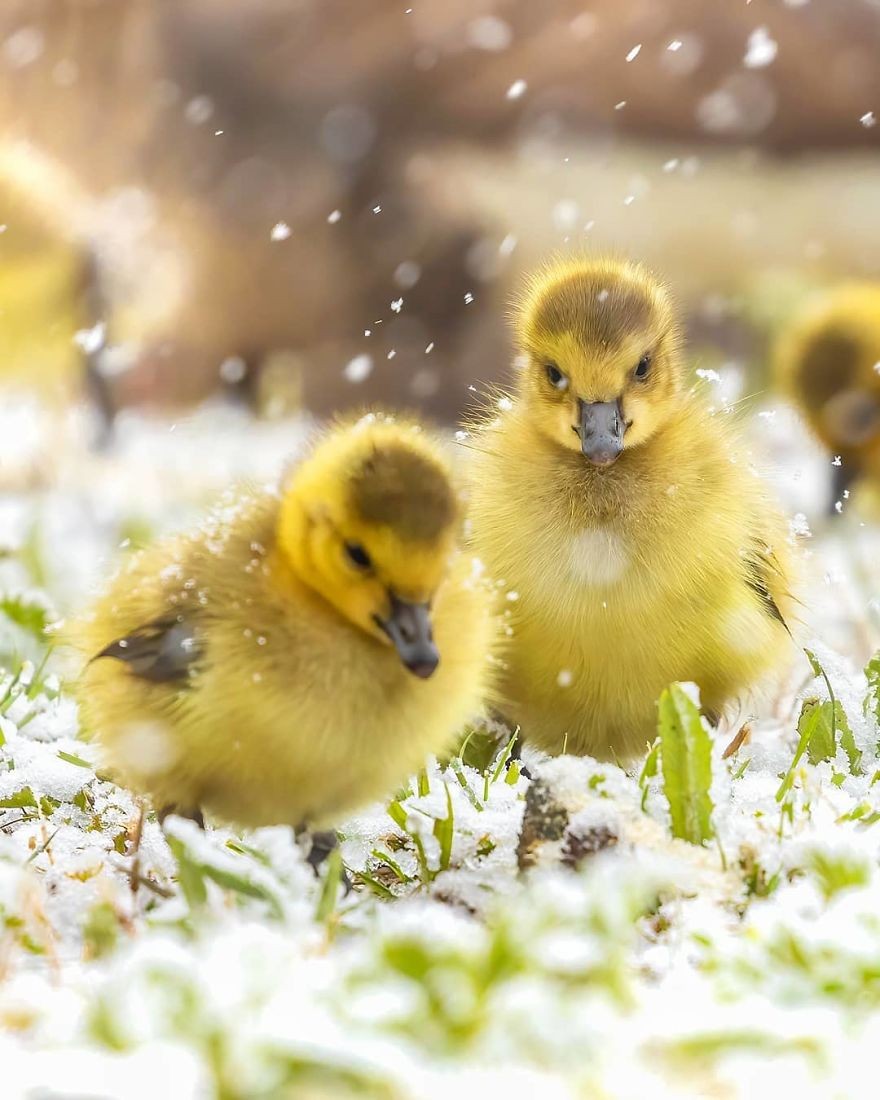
point(194, 814)
point(324, 842)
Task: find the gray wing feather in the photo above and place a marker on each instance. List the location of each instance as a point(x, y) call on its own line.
point(162, 651)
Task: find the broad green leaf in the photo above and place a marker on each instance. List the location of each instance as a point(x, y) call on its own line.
point(824, 719)
point(30, 615)
point(21, 800)
point(809, 718)
point(189, 874)
point(686, 765)
point(819, 719)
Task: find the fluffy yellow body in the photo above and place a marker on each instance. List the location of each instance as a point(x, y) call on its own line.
point(624, 579)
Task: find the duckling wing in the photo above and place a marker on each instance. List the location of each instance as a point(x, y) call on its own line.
point(161, 651)
point(764, 574)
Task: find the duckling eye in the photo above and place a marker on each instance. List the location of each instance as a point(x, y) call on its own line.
point(357, 555)
point(557, 378)
point(643, 367)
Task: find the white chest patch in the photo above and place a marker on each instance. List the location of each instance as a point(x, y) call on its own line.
point(599, 556)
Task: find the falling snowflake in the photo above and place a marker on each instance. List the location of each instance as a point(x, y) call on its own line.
point(516, 89)
point(280, 231)
point(358, 369)
point(490, 33)
point(761, 49)
point(233, 369)
point(90, 340)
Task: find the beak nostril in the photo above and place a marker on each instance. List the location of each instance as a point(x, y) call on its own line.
point(409, 628)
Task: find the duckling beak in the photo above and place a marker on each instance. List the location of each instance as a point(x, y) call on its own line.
point(601, 429)
point(409, 628)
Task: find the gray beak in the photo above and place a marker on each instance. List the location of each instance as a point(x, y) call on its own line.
point(409, 628)
point(601, 431)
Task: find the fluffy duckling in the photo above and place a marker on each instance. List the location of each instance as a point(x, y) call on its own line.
point(635, 545)
point(827, 360)
point(49, 292)
point(300, 654)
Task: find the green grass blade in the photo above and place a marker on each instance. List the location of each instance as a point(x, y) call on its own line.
point(443, 829)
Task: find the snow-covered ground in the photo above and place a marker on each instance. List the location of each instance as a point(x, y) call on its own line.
point(513, 936)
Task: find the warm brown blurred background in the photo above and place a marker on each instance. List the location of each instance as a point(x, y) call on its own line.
point(330, 201)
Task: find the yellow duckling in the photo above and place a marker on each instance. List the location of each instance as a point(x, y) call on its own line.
point(634, 544)
point(299, 655)
point(828, 361)
point(50, 299)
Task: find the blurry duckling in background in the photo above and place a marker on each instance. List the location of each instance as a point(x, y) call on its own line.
point(50, 308)
point(828, 361)
point(299, 655)
point(635, 544)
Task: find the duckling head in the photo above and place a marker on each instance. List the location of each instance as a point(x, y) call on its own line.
point(369, 521)
point(602, 370)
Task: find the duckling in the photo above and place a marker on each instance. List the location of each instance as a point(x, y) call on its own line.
point(828, 361)
point(632, 542)
point(301, 653)
point(50, 293)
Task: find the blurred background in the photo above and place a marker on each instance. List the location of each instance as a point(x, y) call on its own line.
point(319, 203)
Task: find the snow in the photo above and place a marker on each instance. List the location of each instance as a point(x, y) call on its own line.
point(761, 49)
point(490, 33)
point(566, 945)
point(358, 369)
